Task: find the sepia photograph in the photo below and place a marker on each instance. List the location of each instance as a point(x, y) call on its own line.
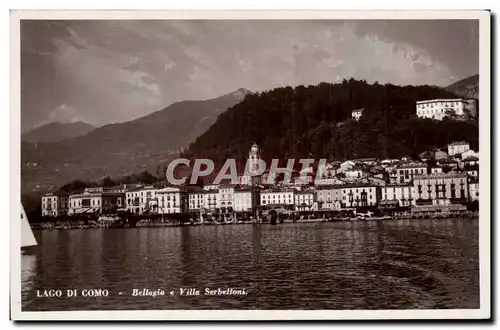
point(257, 165)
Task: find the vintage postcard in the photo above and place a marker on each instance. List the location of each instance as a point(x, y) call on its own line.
point(271, 165)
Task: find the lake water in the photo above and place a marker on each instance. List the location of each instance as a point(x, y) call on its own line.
point(403, 264)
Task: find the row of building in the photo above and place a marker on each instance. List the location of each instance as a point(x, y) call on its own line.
point(425, 189)
point(390, 183)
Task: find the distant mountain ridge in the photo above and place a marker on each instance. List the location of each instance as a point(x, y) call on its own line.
point(467, 88)
point(123, 148)
point(56, 132)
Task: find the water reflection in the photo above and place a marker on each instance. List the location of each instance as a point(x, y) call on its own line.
point(348, 265)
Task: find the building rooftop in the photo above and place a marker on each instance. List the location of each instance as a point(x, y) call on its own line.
point(359, 185)
point(412, 165)
point(395, 184)
point(329, 186)
point(458, 143)
point(440, 175)
point(439, 100)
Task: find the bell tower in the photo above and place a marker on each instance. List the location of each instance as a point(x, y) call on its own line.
point(254, 157)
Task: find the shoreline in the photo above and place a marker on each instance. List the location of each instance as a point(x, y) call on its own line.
point(68, 226)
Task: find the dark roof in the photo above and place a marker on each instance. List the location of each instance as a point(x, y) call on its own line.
point(329, 186)
point(359, 185)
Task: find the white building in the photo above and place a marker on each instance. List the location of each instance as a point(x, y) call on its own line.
point(96, 200)
point(356, 114)
point(211, 199)
point(54, 205)
point(407, 171)
point(329, 197)
point(457, 148)
point(172, 200)
point(360, 195)
point(441, 189)
point(225, 199)
point(245, 200)
point(196, 200)
point(402, 193)
point(142, 200)
point(440, 108)
point(305, 200)
point(277, 196)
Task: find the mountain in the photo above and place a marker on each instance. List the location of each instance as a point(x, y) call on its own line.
point(467, 88)
point(315, 122)
point(120, 149)
point(56, 131)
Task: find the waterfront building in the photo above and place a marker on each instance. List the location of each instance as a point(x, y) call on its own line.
point(211, 200)
point(441, 189)
point(196, 200)
point(356, 114)
point(172, 200)
point(305, 200)
point(402, 193)
point(440, 108)
point(360, 195)
point(329, 197)
point(277, 196)
point(457, 148)
point(226, 197)
point(142, 200)
point(407, 171)
point(246, 200)
point(97, 201)
point(55, 204)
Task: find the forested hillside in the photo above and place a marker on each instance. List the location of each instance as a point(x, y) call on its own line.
point(315, 122)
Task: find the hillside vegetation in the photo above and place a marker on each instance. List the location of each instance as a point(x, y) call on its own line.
point(315, 122)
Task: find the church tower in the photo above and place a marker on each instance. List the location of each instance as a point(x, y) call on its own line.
point(254, 157)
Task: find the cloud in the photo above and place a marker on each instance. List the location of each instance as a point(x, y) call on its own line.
point(65, 114)
point(113, 71)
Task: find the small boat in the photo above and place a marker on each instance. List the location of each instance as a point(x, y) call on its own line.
point(27, 237)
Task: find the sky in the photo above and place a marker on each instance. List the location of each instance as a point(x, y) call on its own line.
point(108, 71)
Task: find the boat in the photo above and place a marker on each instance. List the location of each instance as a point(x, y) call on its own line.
point(27, 237)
